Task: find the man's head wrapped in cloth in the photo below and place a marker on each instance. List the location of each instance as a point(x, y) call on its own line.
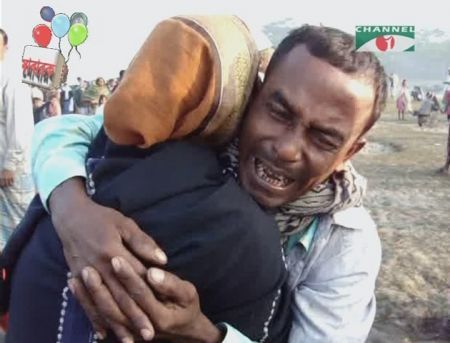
point(192, 76)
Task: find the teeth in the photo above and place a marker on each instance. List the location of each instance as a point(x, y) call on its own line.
point(270, 176)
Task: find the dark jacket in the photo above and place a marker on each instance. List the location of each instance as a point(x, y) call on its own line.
point(214, 234)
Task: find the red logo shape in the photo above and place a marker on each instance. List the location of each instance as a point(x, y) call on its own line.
point(385, 43)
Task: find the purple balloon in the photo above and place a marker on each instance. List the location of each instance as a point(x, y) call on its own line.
point(47, 13)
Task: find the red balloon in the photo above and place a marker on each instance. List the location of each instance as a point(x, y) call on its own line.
point(42, 35)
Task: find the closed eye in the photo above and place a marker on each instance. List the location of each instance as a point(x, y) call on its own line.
point(279, 112)
point(324, 140)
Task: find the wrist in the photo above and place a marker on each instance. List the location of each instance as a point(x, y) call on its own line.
point(204, 331)
point(70, 195)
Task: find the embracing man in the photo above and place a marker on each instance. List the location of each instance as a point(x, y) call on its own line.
point(318, 100)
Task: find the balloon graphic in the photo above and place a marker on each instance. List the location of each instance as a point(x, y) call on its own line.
point(42, 35)
point(60, 25)
point(47, 13)
point(77, 34)
point(79, 18)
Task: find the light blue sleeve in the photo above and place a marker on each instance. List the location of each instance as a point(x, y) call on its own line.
point(59, 148)
point(336, 302)
point(234, 336)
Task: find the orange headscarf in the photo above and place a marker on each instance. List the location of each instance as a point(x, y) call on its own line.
point(193, 75)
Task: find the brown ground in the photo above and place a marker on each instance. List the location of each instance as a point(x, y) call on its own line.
point(411, 205)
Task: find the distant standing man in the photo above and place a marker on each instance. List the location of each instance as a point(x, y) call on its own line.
point(447, 80)
point(445, 168)
point(395, 81)
point(446, 101)
point(66, 98)
point(16, 129)
point(121, 74)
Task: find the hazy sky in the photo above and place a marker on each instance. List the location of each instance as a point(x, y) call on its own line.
point(118, 28)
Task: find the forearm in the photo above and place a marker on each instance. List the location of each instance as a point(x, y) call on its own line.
point(59, 150)
point(69, 195)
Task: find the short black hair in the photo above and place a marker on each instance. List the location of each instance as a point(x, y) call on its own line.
point(5, 36)
point(338, 49)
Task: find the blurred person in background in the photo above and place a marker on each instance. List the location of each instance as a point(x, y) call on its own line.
point(445, 168)
point(66, 96)
point(16, 130)
point(121, 74)
point(92, 94)
point(403, 101)
point(101, 104)
point(54, 107)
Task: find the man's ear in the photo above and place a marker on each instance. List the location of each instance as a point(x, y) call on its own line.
point(257, 85)
point(356, 147)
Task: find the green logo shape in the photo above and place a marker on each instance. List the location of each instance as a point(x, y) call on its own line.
point(385, 38)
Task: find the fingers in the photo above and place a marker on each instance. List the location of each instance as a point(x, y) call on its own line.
point(80, 293)
point(132, 260)
point(105, 304)
point(138, 290)
point(98, 321)
point(177, 315)
point(172, 287)
point(136, 287)
point(117, 306)
point(101, 296)
point(6, 181)
point(142, 244)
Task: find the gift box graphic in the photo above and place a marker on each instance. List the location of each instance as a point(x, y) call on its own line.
point(42, 67)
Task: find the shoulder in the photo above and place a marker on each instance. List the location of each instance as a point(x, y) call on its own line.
point(356, 231)
point(357, 218)
point(352, 245)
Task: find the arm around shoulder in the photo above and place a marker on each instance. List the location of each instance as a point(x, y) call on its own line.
point(61, 141)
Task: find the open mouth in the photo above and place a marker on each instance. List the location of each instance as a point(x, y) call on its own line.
point(271, 177)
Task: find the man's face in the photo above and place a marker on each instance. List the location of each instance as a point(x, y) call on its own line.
point(302, 125)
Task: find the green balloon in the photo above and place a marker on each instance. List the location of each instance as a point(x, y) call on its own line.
point(77, 34)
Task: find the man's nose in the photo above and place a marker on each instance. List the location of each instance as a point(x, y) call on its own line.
point(287, 148)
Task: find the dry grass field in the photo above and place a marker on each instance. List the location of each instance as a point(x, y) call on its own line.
point(411, 204)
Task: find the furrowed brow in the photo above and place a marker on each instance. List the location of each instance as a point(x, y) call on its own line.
point(278, 97)
point(331, 132)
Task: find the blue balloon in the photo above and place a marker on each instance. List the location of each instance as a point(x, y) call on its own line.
point(47, 13)
point(60, 25)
